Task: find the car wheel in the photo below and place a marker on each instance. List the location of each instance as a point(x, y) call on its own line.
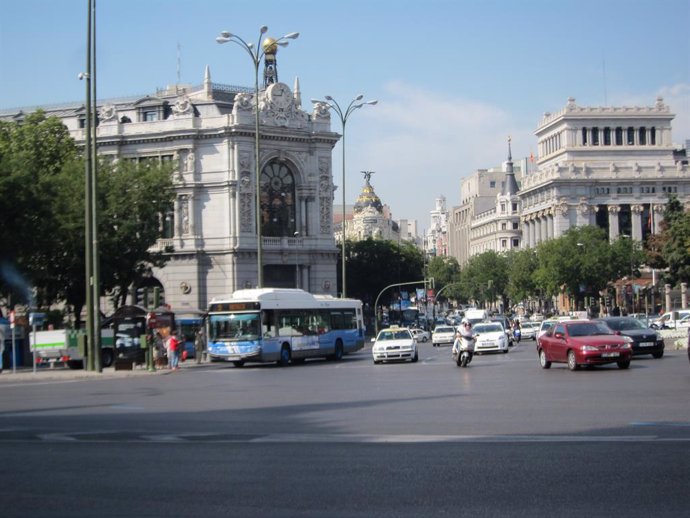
point(545, 364)
point(572, 361)
point(415, 358)
point(107, 358)
point(658, 355)
point(425, 339)
point(238, 363)
point(624, 364)
point(376, 362)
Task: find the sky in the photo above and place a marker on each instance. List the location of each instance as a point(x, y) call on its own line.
point(453, 78)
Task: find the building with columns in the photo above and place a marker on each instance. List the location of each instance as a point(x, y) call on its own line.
point(208, 133)
point(613, 167)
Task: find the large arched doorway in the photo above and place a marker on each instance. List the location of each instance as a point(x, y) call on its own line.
point(278, 200)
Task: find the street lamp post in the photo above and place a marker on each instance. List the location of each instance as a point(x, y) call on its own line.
point(297, 279)
point(343, 116)
point(256, 53)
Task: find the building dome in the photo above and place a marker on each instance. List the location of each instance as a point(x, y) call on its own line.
point(368, 198)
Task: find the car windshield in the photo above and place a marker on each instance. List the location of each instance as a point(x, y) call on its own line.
point(624, 324)
point(393, 335)
point(588, 329)
point(444, 330)
point(488, 328)
point(545, 326)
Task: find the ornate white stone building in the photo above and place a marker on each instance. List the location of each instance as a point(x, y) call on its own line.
point(436, 238)
point(370, 217)
point(208, 133)
point(613, 167)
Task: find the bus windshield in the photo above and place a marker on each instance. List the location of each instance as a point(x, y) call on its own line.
point(234, 326)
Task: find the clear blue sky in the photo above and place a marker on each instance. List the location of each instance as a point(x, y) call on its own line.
point(453, 78)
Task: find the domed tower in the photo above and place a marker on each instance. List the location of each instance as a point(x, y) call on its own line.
point(368, 198)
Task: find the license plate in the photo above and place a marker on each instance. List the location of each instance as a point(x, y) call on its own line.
point(609, 355)
point(646, 344)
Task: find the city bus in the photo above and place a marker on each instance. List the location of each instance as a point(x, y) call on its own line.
point(283, 326)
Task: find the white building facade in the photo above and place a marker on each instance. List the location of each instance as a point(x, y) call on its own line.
point(208, 134)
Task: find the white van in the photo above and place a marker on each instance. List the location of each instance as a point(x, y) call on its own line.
point(476, 315)
point(667, 321)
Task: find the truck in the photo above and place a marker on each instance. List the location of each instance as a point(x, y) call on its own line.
point(121, 338)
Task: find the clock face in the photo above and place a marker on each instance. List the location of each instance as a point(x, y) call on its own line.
point(280, 95)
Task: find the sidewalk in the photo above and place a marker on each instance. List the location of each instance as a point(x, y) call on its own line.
point(64, 373)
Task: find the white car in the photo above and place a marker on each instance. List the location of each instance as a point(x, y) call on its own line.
point(443, 335)
point(528, 330)
point(394, 344)
point(420, 335)
point(491, 337)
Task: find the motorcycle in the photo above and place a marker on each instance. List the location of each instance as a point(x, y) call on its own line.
point(517, 334)
point(463, 350)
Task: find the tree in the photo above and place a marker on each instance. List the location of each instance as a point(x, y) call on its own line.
point(33, 153)
point(445, 272)
point(521, 267)
point(374, 264)
point(485, 278)
point(670, 248)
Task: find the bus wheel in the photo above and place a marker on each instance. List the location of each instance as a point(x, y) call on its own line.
point(107, 357)
point(338, 354)
point(238, 363)
point(284, 356)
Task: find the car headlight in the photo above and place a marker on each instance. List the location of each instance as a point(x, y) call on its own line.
point(628, 340)
point(627, 345)
point(589, 348)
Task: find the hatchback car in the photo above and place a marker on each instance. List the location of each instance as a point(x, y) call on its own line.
point(583, 342)
point(491, 337)
point(443, 335)
point(394, 344)
point(645, 340)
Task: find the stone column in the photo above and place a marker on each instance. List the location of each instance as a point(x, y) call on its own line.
point(667, 292)
point(636, 218)
point(613, 222)
point(657, 218)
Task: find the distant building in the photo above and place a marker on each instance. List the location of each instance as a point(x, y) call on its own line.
point(370, 218)
point(436, 239)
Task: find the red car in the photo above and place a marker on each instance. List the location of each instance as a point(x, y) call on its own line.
point(583, 342)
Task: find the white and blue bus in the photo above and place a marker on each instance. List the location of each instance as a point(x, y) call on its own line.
point(283, 326)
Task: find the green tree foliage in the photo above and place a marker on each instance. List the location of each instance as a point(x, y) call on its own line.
point(42, 182)
point(521, 267)
point(33, 153)
point(446, 274)
point(669, 249)
point(373, 264)
point(485, 277)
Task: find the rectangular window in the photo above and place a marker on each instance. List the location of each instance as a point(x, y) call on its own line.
point(631, 136)
point(492, 184)
point(516, 242)
point(607, 136)
point(504, 226)
point(584, 136)
point(652, 136)
point(516, 225)
point(595, 136)
point(514, 207)
point(619, 136)
point(150, 116)
point(504, 243)
point(643, 136)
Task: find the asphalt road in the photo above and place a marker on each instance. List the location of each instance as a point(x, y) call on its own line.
point(500, 438)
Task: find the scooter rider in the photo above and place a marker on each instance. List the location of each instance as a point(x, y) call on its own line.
point(464, 331)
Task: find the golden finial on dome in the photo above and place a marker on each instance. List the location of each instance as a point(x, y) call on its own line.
point(270, 46)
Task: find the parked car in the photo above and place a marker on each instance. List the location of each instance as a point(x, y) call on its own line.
point(645, 339)
point(443, 335)
point(583, 342)
point(491, 337)
point(420, 335)
point(394, 344)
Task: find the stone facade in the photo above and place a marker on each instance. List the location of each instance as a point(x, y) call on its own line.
point(613, 167)
point(208, 133)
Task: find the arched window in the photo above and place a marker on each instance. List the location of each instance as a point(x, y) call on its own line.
point(278, 214)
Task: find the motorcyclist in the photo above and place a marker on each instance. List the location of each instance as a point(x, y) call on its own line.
point(463, 331)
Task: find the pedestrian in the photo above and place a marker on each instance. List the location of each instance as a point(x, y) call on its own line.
point(199, 345)
point(173, 346)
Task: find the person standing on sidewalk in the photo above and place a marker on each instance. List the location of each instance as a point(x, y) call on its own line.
point(173, 345)
point(199, 345)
